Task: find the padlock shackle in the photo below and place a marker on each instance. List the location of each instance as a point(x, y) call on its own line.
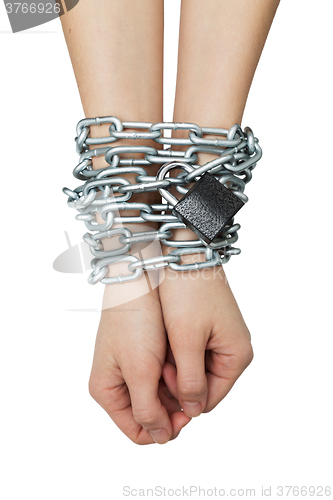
point(161, 175)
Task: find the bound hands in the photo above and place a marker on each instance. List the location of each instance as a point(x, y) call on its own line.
point(169, 355)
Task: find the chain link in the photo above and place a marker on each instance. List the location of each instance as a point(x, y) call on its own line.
point(237, 152)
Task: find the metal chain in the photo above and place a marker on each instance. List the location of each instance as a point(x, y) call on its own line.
point(238, 152)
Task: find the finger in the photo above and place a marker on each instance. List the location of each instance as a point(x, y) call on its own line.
point(169, 356)
point(112, 395)
point(177, 416)
point(168, 400)
point(178, 420)
point(189, 354)
point(147, 408)
point(169, 374)
point(115, 400)
point(223, 370)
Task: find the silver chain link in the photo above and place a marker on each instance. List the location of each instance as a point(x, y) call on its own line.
point(238, 152)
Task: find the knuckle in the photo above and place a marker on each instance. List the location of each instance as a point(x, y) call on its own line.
point(97, 390)
point(192, 388)
point(94, 388)
point(239, 357)
point(144, 417)
point(246, 355)
point(136, 440)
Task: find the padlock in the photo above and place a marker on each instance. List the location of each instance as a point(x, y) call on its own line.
point(206, 208)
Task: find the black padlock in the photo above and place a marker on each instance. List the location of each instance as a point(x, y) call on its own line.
point(206, 208)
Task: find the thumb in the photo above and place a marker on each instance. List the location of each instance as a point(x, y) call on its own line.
point(191, 378)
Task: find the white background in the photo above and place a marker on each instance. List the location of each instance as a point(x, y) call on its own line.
point(275, 426)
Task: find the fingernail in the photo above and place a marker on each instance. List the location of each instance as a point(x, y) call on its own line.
point(192, 409)
point(160, 436)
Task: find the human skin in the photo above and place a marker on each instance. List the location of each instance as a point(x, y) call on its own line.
point(220, 43)
point(168, 355)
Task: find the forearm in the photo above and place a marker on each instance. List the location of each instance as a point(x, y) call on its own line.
point(117, 67)
point(219, 48)
point(116, 49)
point(220, 44)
